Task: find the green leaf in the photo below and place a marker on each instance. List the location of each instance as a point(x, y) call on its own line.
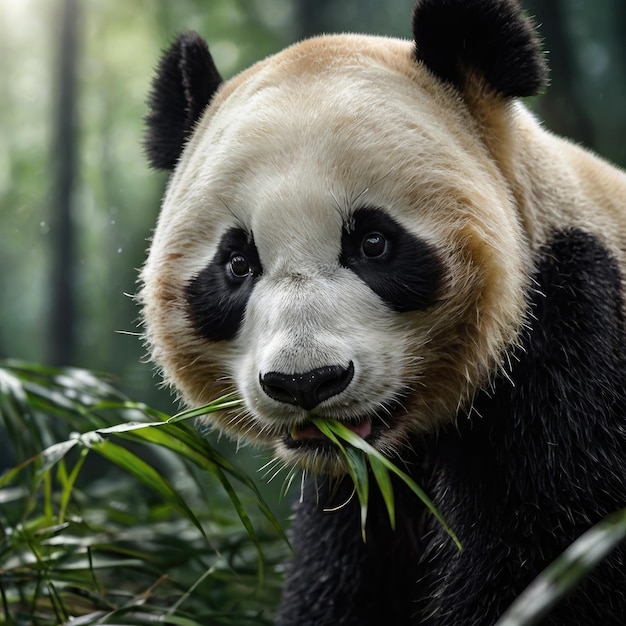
point(566, 572)
point(357, 469)
point(171, 434)
point(71, 546)
point(386, 488)
point(339, 430)
point(144, 472)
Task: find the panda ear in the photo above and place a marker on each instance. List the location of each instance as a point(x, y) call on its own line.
point(185, 82)
point(491, 37)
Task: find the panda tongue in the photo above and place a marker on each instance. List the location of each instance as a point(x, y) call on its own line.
point(362, 429)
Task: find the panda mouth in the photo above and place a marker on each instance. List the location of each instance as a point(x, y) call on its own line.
point(308, 435)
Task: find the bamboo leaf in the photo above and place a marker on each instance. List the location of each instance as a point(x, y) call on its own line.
point(360, 477)
point(144, 472)
point(567, 572)
point(386, 488)
point(171, 434)
point(54, 453)
point(340, 430)
point(71, 547)
point(357, 469)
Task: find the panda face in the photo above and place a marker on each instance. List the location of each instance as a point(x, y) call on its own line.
point(335, 242)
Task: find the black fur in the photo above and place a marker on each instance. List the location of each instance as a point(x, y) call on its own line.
point(492, 37)
point(407, 273)
point(185, 81)
point(536, 464)
point(217, 298)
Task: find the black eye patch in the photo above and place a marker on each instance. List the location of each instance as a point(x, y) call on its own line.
point(217, 297)
point(402, 269)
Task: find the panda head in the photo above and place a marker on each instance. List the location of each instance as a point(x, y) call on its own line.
point(337, 239)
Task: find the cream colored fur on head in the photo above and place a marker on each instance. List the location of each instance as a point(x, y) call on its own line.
point(286, 151)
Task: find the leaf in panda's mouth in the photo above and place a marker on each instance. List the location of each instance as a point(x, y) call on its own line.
point(357, 454)
point(310, 432)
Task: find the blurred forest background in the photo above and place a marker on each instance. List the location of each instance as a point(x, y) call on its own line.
point(77, 200)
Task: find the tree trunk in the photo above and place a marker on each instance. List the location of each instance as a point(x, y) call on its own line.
point(62, 311)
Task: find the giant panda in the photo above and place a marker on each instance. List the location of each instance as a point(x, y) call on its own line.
point(379, 232)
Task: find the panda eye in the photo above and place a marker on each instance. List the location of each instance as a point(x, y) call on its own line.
point(373, 245)
point(402, 269)
point(218, 295)
point(239, 266)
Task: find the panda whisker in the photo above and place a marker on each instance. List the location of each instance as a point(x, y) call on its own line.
point(302, 482)
point(471, 409)
point(226, 379)
point(384, 422)
point(337, 205)
point(272, 468)
point(343, 505)
point(192, 363)
point(236, 418)
point(505, 373)
point(130, 333)
point(282, 467)
point(291, 474)
point(239, 418)
point(245, 431)
point(269, 465)
point(238, 218)
point(355, 200)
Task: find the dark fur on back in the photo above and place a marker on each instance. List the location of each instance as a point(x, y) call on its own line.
point(537, 462)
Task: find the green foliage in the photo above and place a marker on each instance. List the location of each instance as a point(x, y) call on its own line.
point(358, 453)
point(128, 521)
point(127, 516)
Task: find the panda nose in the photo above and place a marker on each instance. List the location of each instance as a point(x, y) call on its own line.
point(308, 389)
